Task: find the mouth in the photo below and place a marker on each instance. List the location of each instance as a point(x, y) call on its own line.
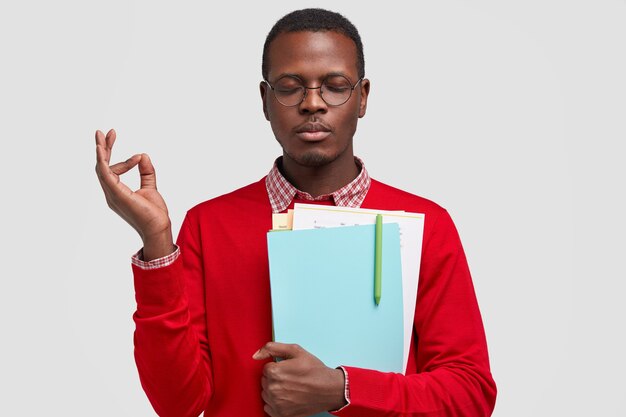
point(313, 132)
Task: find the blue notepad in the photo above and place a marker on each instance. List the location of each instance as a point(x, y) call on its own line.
point(322, 287)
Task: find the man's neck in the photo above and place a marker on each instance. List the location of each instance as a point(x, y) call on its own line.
point(320, 180)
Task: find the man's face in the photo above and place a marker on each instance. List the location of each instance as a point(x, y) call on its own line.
point(314, 133)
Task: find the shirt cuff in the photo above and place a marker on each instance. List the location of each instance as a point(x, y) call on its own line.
point(137, 260)
point(346, 389)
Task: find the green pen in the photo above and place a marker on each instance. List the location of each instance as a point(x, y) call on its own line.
point(378, 258)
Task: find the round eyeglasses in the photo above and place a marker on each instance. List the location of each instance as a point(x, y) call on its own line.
point(335, 90)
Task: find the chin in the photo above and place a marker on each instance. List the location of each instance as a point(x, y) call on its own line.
point(313, 159)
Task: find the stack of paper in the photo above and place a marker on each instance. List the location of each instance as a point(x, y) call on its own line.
point(322, 284)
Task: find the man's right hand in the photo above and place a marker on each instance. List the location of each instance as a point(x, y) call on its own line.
point(144, 209)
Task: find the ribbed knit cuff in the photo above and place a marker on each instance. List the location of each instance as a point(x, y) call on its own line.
point(367, 392)
point(158, 290)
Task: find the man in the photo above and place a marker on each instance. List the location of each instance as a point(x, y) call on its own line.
point(203, 306)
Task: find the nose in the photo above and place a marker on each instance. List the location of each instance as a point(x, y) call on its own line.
point(313, 101)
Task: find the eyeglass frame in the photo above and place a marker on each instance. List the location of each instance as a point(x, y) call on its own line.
point(352, 87)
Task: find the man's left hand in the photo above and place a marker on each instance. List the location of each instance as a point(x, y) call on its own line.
point(300, 384)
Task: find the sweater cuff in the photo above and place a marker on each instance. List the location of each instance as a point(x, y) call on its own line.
point(367, 391)
point(158, 290)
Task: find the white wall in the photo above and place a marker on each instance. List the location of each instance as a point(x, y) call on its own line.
point(510, 114)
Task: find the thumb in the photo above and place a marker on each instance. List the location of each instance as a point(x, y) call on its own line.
point(277, 350)
point(146, 171)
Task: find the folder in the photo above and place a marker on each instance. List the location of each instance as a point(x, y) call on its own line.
point(322, 289)
point(311, 216)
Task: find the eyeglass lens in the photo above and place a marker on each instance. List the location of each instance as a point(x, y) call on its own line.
point(335, 90)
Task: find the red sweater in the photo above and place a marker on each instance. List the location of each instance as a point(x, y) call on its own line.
point(199, 320)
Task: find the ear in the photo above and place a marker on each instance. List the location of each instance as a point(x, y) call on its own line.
point(264, 89)
point(365, 91)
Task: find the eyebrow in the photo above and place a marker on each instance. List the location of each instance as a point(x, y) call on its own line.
point(301, 78)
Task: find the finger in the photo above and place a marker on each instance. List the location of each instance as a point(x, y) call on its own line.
point(110, 138)
point(102, 158)
point(269, 410)
point(268, 402)
point(123, 167)
point(266, 397)
point(261, 354)
point(100, 141)
point(111, 184)
point(147, 172)
point(105, 175)
point(271, 371)
point(278, 350)
point(109, 181)
point(99, 137)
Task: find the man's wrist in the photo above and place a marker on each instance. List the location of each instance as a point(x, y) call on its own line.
point(339, 384)
point(158, 246)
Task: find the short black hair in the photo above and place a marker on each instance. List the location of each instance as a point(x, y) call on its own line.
point(314, 20)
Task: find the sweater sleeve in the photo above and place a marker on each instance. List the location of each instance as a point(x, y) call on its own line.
point(171, 349)
point(453, 377)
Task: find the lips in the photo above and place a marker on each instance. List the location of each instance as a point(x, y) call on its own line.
point(313, 132)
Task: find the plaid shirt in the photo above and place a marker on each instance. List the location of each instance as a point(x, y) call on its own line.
point(281, 193)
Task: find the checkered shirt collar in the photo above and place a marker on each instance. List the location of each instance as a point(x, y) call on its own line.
point(281, 192)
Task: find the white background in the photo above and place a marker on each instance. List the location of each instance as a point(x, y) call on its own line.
point(509, 114)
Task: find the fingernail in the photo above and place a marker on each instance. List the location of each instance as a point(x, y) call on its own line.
point(256, 353)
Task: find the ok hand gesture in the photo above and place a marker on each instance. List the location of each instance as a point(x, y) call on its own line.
point(144, 209)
